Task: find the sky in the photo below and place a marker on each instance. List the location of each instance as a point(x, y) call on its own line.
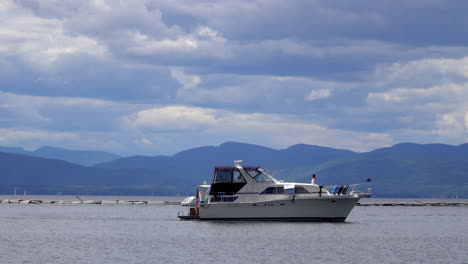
point(158, 77)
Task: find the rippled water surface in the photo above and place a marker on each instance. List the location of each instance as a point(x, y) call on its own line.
point(153, 234)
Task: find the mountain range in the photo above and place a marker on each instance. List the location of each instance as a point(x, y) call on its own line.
point(85, 158)
point(403, 170)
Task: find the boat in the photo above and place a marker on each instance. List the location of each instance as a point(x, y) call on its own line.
point(250, 193)
point(362, 194)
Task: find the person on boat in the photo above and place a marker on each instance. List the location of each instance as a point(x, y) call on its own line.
point(313, 179)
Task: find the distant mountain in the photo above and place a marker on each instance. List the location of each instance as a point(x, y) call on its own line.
point(51, 176)
point(85, 158)
point(15, 150)
point(403, 170)
point(198, 163)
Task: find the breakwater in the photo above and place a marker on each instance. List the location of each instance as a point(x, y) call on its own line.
point(126, 202)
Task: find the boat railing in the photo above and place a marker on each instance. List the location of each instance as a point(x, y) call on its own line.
point(223, 198)
point(343, 189)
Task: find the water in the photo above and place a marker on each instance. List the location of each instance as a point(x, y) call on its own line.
point(153, 234)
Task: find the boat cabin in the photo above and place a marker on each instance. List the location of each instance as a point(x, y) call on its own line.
point(228, 180)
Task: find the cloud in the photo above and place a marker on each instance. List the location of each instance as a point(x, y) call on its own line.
point(283, 130)
point(187, 81)
point(208, 32)
point(143, 141)
point(143, 46)
point(33, 139)
point(429, 72)
point(41, 41)
point(466, 121)
point(171, 118)
point(451, 125)
point(435, 23)
point(269, 129)
point(434, 99)
point(61, 113)
point(318, 94)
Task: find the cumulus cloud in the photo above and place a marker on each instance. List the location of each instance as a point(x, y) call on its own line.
point(187, 81)
point(466, 121)
point(270, 129)
point(143, 141)
point(171, 118)
point(450, 125)
point(208, 32)
point(445, 93)
point(423, 72)
point(143, 45)
point(319, 94)
point(41, 41)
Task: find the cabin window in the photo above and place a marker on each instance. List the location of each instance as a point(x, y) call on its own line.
point(262, 178)
point(237, 177)
point(223, 176)
point(223, 199)
point(300, 190)
point(253, 173)
point(273, 190)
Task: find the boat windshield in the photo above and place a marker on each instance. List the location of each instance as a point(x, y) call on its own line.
point(259, 175)
point(252, 172)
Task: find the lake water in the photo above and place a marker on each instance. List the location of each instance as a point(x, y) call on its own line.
point(153, 234)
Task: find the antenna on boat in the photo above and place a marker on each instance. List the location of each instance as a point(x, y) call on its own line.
point(238, 162)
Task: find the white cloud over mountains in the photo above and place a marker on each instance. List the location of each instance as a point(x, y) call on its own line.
point(158, 76)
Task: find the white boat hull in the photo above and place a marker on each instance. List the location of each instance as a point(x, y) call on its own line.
point(335, 208)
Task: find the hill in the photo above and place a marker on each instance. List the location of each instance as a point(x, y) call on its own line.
point(198, 163)
point(51, 176)
point(81, 157)
point(405, 170)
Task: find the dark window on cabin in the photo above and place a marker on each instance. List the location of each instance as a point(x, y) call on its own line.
point(262, 178)
point(227, 181)
point(269, 190)
point(273, 190)
point(237, 177)
point(300, 190)
point(223, 199)
point(223, 176)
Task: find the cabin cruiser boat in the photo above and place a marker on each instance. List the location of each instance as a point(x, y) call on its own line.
point(251, 193)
